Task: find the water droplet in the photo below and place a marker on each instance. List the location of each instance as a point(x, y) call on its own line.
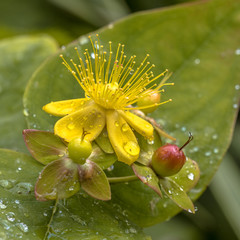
point(25, 112)
point(214, 136)
point(132, 230)
point(17, 201)
point(45, 214)
point(197, 61)
point(10, 216)
point(19, 168)
point(83, 40)
point(116, 124)
point(6, 184)
point(71, 126)
point(93, 55)
point(125, 127)
point(63, 47)
point(208, 153)
point(23, 227)
point(2, 205)
point(149, 141)
point(169, 191)
point(34, 115)
point(149, 177)
point(190, 211)
point(196, 208)
point(110, 26)
point(71, 188)
point(237, 87)
point(131, 72)
point(237, 52)
point(216, 150)
point(183, 129)
point(110, 168)
point(191, 176)
point(235, 105)
point(132, 148)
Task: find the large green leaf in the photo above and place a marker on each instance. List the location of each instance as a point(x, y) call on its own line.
point(79, 217)
point(19, 58)
point(200, 44)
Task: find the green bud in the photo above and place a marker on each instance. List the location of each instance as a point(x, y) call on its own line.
point(79, 150)
point(152, 97)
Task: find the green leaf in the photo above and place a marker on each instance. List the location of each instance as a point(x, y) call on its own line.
point(104, 142)
point(177, 194)
point(58, 180)
point(103, 160)
point(188, 176)
point(147, 176)
point(41, 17)
point(202, 51)
point(78, 217)
point(94, 181)
point(19, 57)
point(44, 146)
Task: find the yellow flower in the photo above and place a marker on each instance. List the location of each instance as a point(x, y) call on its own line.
point(111, 88)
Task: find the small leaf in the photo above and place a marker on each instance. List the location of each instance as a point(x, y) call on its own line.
point(177, 194)
point(102, 159)
point(59, 179)
point(104, 142)
point(147, 176)
point(94, 181)
point(44, 146)
point(188, 176)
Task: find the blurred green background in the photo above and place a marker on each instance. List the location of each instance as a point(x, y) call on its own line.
point(218, 214)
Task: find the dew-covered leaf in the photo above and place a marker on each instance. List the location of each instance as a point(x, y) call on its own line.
point(94, 181)
point(147, 176)
point(78, 217)
point(19, 58)
point(102, 159)
point(44, 146)
point(177, 194)
point(59, 179)
point(188, 176)
point(202, 51)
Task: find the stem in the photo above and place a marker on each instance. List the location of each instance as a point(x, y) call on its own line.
point(122, 179)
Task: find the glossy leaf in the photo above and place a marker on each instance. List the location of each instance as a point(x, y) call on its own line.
point(188, 176)
point(44, 146)
point(202, 52)
point(147, 176)
point(94, 181)
point(177, 194)
point(102, 159)
point(59, 179)
point(19, 58)
point(103, 142)
point(78, 217)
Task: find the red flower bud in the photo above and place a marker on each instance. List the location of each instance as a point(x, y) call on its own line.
point(169, 159)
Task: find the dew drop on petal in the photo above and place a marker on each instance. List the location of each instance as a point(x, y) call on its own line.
point(216, 150)
point(71, 126)
point(116, 124)
point(131, 148)
point(125, 127)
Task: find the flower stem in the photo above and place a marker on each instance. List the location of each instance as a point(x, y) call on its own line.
point(122, 179)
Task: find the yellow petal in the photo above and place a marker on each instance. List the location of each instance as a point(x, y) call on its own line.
point(122, 138)
point(140, 125)
point(91, 119)
point(62, 108)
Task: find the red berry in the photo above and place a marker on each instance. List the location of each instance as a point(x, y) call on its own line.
point(168, 160)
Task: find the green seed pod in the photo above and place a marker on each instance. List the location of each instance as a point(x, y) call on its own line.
point(79, 150)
